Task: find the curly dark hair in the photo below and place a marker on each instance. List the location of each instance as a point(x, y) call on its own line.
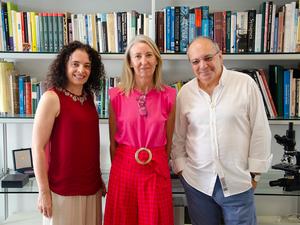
point(57, 77)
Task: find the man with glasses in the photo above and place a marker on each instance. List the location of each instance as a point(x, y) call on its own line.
point(222, 139)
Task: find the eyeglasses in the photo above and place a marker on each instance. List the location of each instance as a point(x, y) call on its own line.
point(206, 59)
point(142, 105)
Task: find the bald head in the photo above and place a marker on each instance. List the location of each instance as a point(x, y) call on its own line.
point(203, 41)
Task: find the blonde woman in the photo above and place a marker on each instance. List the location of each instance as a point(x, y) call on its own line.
point(141, 125)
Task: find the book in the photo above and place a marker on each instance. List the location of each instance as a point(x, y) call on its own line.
point(15, 180)
point(276, 86)
point(184, 32)
point(251, 30)
point(6, 68)
point(241, 31)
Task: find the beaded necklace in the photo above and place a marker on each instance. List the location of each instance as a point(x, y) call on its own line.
point(82, 98)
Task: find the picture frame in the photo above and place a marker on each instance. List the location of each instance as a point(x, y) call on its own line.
point(22, 159)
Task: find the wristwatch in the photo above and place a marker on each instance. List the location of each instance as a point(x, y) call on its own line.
point(256, 177)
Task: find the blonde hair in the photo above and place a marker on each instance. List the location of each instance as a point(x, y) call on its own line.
point(127, 78)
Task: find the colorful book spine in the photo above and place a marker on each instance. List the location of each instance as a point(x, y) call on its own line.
point(192, 31)
point(33, 32)
point(286, 93)
point(22, 94)
point(168, 28)
point(205, 20)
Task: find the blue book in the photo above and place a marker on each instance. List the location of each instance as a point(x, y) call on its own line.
point(192, 30)
point(22, 94)
point(172, 37)
point(205, 21)
point(106, 100)
point(211, 26)
point(86, 24)
point(286, 93)
point(275, 35)
point(168, 28)
point(184, 28)
point(4, 26)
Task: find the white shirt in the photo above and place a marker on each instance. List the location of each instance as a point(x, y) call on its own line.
point(226, 134)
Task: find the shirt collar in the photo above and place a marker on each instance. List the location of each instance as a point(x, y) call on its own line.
point(223, 77)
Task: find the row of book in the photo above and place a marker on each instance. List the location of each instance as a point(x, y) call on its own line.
point(102, 100)
point(272, 29)
point(19, 93)
point(49, 32)
point(280, 89)
point(31, 31)
point(285, 89)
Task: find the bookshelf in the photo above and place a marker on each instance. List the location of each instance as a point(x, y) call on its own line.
point(165, 56)
point(176, 66)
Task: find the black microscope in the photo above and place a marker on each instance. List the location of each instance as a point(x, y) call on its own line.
point(290, 162)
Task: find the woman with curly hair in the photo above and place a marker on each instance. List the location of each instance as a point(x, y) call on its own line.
point(65, 140)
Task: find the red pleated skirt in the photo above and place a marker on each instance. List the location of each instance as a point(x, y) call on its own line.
point(139, 194)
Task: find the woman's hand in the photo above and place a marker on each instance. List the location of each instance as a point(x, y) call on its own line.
point(45, 203)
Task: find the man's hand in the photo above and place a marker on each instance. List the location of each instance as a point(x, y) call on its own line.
point(254, 184)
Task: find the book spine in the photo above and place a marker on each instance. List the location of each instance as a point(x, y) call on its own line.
point(55, 32)
point(177, 29)
point(218, 28)
point(28, 97)
point(60, 27)
point(258, 21)
point(205, 21)
point(233, 33)
point(184, 25)
point(124, 31)
point(198, 21)
point(46, 32)
point(228, 30)
point(192, 31)
point(251, 30)
point(241, 24)
point(50, 32)
point(22, 94)
point(168, 28)
point(286, 94)
point(33, 31)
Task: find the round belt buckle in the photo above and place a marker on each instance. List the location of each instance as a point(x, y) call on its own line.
point(136, 155)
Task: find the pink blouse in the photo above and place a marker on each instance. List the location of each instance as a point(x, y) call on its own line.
point(135, 129)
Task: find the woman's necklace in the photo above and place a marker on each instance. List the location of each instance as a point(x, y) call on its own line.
point(82, 98)
point(141, 100)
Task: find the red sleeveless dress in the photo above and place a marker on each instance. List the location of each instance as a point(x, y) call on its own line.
point(73, 150)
